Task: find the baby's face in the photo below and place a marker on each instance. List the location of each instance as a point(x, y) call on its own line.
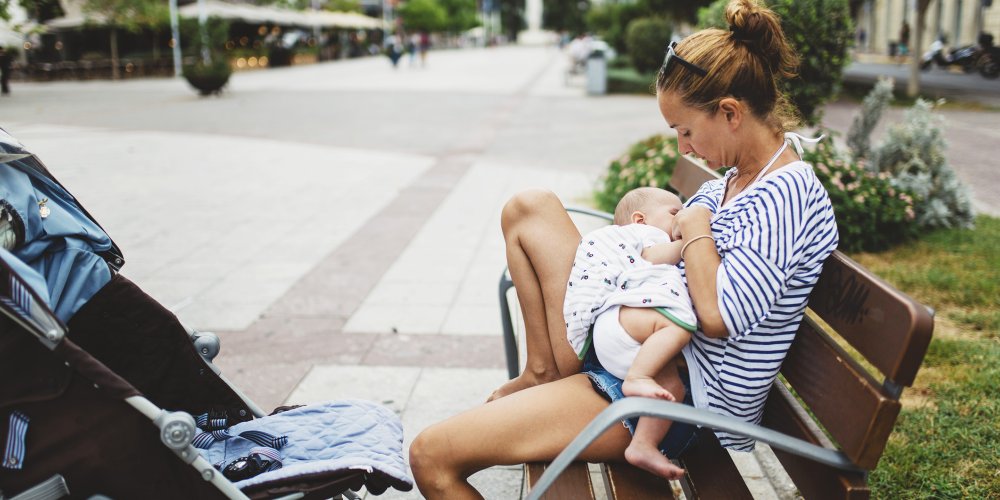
point(661, 213)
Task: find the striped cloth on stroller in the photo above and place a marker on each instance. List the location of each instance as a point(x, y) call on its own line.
point(81, 406)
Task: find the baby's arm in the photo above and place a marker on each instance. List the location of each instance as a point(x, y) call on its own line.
point(663, 253)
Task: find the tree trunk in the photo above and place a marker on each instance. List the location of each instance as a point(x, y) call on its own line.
point(115, 75)
point(917, 48)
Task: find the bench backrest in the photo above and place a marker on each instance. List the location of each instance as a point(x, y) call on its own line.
point(849, 408)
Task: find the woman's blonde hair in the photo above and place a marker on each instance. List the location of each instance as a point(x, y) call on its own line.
point(747, 62)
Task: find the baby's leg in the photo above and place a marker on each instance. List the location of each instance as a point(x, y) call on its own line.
point(643, 451)
point(658, 349)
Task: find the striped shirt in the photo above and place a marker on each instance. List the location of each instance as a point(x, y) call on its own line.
point(773, 239)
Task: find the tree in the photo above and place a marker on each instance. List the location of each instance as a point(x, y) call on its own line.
point(423, 15)
point(565, 15)
point(129, 15)
point(39, 10)
point(461, 15)
point(916, 49)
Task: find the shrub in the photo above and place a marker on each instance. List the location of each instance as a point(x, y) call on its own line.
point(646, 40)
point(820, 31)
point(913, 153)
point(872, 214)
point(859, 135)
point(649, 162)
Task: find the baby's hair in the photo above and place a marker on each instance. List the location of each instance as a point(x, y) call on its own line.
point(636, 200)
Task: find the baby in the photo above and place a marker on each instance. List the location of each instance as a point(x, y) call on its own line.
point(625, 282)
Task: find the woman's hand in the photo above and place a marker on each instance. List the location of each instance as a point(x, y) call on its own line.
point(694, 220)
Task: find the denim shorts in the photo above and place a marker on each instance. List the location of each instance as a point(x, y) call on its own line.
point(679, 438)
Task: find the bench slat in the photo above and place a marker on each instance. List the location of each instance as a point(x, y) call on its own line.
point(710, 471)
point(689, 175)
point(625, 482)
point(890, 329)
point(814, 480)
point(573, 484)
point(825, 377)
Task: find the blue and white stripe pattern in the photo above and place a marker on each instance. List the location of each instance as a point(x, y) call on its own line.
point(14, 451)
point(773, 239)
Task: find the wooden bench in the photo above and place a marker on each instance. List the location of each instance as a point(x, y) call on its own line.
point(828, 422)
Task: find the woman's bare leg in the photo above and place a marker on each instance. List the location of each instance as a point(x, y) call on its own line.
point(534, 424)
point(541, 241)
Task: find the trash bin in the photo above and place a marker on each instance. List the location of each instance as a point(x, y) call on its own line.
point(597, 73)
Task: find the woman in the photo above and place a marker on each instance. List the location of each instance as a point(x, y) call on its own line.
point(754, 244)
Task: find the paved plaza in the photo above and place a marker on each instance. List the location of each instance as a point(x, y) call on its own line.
point(338, 224)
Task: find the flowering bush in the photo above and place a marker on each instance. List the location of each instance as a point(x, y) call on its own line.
point(649, 162)
point(871, 213)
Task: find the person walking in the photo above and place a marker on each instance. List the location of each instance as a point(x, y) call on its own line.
point(5, 66)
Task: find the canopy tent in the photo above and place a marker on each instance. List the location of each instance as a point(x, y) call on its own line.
point(237, 12)
point(272, 15)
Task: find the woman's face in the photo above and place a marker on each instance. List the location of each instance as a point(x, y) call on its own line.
point(699, 133)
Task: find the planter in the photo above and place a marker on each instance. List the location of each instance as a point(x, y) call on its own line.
point(208, 80)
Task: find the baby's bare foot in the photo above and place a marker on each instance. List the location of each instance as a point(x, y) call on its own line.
point(645, 388)
point(650, 459)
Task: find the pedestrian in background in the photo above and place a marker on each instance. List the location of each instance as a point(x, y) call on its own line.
point(5, 65)
point(425, 43)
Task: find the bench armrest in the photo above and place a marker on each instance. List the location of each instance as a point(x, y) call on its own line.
point(677, 412)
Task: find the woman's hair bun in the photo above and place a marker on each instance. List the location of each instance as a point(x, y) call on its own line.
point(760, 28)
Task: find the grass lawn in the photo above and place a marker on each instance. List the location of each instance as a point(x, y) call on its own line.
point(946, 443)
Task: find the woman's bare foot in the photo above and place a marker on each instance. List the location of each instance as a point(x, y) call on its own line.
point(523, 381)
point(646, 388)
point(648, 458)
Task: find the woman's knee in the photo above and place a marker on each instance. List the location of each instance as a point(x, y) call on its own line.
point(522, 205)
point(429, 461)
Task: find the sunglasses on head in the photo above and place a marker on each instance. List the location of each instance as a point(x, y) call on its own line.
point(672, 57)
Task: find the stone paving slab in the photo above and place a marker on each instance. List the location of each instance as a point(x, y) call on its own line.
point(217, 228)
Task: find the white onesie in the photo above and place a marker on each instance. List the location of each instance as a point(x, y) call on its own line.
point(609, 271)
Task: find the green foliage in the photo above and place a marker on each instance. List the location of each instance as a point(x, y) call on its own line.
point(217, 30)
point(913, 153)
point(461, 15)
point(629, 81)
point(609, 19)
point(646, 38)
point(649, 162)
point(565, 15)
point(40, 10)
point(129, 15)
point(423, 15)
point(871, 213)
point(713, 15)
point(859, 135)
point(820, 31)
point(343, 6)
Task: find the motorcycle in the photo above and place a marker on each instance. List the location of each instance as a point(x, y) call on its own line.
point(983, 56)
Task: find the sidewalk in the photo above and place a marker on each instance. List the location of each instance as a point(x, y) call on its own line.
point(338, 224)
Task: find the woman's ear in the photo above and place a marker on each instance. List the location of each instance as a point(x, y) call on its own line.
point(638, 217)
point(732, 109)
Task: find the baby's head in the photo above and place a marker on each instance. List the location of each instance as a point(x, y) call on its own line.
point(648, 205)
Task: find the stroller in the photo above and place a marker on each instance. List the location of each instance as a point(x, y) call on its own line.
point(82, 403)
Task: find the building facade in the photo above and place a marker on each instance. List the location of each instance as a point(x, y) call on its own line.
point(879, 22)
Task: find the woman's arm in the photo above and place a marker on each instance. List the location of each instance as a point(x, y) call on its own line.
point(701, 264)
